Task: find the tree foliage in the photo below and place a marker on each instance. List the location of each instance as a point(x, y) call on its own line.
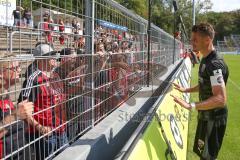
point(225, 23)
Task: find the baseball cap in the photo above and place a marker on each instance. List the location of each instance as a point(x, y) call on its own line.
point(67, 51)
point(45, 50)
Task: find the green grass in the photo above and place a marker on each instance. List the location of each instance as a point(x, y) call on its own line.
point(231, 145)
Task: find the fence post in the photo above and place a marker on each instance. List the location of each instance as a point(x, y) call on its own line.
point(89, 32)
point(142, 46)
point(149, 40)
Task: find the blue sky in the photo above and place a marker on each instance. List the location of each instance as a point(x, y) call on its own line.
point(225, 5)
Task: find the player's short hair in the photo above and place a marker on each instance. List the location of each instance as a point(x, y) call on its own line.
point(205, 29)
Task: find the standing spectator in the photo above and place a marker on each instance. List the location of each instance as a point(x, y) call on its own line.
point(74, 25)
point(46, 14)
point(46, 30)
point(71, 70)
point(45, 90)
point(51, 28)
point(27, 16)
point(61, 30)
point(17, 16)
point(10, 128)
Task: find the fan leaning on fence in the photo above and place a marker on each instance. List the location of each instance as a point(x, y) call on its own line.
point(11, 129)
point(45, 89)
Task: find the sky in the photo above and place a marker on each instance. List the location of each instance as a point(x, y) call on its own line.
point(225, 5)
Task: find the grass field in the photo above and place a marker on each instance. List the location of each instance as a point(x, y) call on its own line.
point(231, 145)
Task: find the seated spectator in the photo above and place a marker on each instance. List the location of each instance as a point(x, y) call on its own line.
point(45, 89)
point(11, 129)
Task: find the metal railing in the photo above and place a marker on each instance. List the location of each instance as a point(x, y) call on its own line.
point(73, 85)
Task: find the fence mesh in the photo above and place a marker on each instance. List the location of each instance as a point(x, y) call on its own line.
point(67, 64)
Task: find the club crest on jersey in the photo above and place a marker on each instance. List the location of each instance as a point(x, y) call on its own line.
point(220, 79)
point(217, 78)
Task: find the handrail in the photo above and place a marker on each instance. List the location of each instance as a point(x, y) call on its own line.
point(14, 32)
point(25, 33)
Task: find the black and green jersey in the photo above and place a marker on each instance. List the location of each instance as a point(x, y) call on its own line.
point(212, 65)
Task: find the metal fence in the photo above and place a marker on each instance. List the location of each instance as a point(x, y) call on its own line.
point(73, 62)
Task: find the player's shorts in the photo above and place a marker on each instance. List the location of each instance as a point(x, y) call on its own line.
point(210, 132)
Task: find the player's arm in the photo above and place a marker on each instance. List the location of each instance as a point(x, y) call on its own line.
point(219, 98)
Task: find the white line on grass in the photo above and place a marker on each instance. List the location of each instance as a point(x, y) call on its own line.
point(235, 84)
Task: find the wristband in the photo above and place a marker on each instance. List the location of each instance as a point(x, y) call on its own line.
point(193, 106)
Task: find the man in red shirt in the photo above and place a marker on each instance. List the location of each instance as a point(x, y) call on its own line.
point(44, 88)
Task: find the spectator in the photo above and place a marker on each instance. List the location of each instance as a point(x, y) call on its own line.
point(67, 62)
point(17, 16)
point(61, 30)
point(74, 25)
point(81, 44)
point(46, 14)
point(46, 30)
point(72, 70)
point(11, 129)
point(44, 88)
point(51, 30)
point(27, 16)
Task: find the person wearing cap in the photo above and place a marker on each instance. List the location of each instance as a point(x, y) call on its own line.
point(45, 89)
point(72, 71)
point(212, 109)
point(11, 116)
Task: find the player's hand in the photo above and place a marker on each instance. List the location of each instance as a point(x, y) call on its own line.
point(181, 102)
point(179, 88)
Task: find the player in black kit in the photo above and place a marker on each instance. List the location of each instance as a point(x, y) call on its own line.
point(212, 79)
